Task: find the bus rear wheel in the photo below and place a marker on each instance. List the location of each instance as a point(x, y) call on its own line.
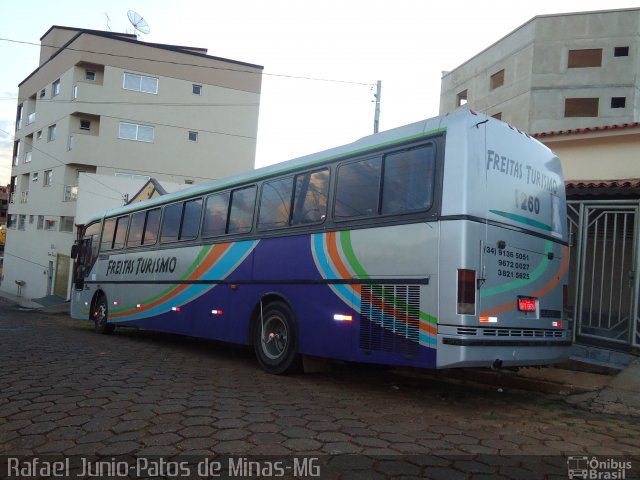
point(100, 316)
point(275, 339)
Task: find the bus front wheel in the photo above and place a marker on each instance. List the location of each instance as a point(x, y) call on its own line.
point(275, 339)
point(100, 315)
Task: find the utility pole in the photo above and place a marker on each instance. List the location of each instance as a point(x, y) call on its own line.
point(376, 120)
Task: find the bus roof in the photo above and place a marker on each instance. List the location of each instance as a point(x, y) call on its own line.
point(414, 131)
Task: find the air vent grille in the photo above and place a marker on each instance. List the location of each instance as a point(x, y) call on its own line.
point(511, 332)
point(390, 318)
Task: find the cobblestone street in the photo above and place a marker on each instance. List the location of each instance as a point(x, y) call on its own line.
point(66, 390)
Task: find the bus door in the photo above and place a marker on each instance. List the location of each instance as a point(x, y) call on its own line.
point(85, 253)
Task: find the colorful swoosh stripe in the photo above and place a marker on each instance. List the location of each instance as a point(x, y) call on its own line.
point(214, 262)
point(335, 259)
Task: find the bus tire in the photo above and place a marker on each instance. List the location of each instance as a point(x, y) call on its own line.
point(100, 316)
point(275, 339)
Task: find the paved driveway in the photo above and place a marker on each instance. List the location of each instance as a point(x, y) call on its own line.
point(66, 390)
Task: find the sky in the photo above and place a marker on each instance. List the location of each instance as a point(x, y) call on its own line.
point(321, 59)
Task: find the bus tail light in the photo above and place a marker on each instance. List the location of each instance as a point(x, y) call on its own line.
point(466, 292)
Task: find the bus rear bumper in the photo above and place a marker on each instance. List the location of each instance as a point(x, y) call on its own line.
point(478, 351)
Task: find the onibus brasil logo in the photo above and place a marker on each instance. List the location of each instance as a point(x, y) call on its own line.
point(597, 469)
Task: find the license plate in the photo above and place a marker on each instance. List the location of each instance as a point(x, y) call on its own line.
point(527, 304)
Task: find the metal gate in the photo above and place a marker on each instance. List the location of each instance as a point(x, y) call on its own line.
point(603, 284)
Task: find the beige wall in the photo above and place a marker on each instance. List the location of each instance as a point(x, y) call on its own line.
point(606, 155)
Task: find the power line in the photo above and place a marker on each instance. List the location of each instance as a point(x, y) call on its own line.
point(281, 75)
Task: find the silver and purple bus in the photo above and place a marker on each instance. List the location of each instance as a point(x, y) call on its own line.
point(438, 244)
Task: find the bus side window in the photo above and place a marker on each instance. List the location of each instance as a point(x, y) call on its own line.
point(181, 221)
point(310, 199)
point(151, 227)
point(191, 219)
point(358, 188)
point(171, 223)
point(408, 180)
point(107, 234)
point(275, 203)
point(121, 232)
point(136, 229)
point(215, 215)
point(241, 213)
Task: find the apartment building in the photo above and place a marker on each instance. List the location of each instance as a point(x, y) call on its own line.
point(555, 72)
point(572, 80)
point(108, 106)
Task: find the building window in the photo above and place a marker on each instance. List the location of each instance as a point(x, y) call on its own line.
point(34, 177)
point(140, 83)
point(39, 135)
point(585, 58)
point(133, 176)
point(618, 102)
point(51, 136)
point(19, 117)
point(461, 98)
point(70, 193)
point(193, 136)
point(621, 51)
point(197, 89)
point(74, 92)
point(55, 88)
point(496, 80)
point(132, 131)
point(85, 125)
point(66, 224)
point(22, 220)
point(12, 220)
point(40, 224)
point(188, 182)
point(43, 92)
point(31, 217)
point(49, 224)
point(581, 107)
point(89, 75)
point(48, 175)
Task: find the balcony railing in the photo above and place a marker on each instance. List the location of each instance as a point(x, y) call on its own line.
point(24, 197)
point(70, 193)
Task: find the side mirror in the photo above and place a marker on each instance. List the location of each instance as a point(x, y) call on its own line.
point(74, 251)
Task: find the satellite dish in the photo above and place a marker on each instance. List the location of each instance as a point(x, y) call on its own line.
point(139, 23)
